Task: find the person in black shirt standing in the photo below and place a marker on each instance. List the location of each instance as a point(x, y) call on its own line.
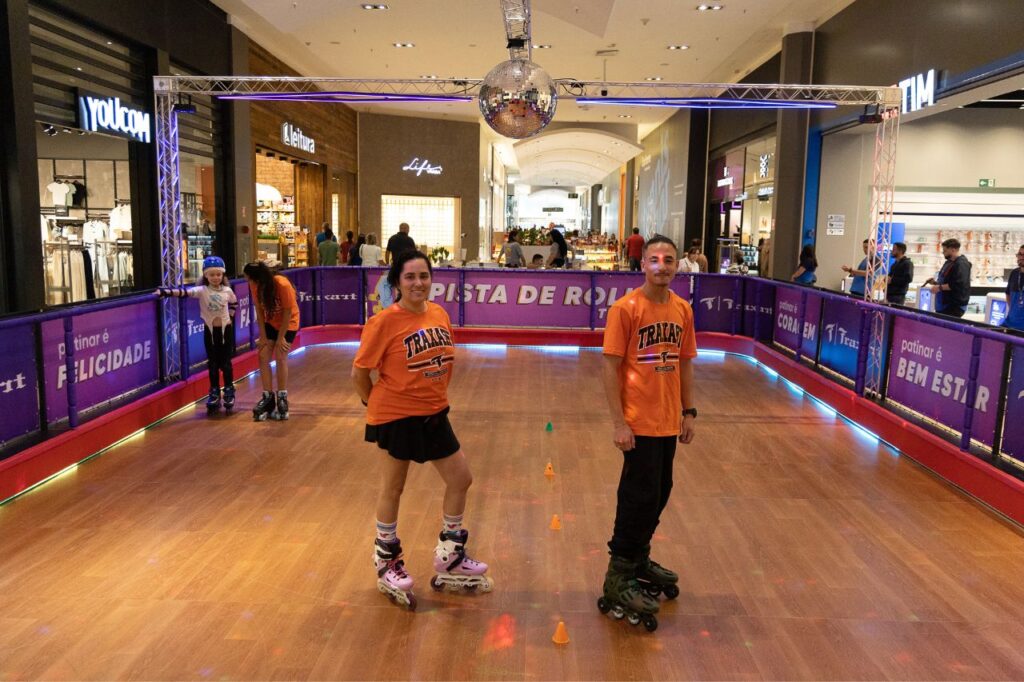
point(901, 274)
point(399, 242)
point(1015, 295)
point(953, 283)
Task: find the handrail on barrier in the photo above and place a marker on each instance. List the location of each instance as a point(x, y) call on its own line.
point(725, 303)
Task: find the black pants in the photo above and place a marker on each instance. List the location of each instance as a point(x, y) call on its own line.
point(952, 311)
point(896, 300)
point(220, 346)
point(634, 265)
point(644, 488)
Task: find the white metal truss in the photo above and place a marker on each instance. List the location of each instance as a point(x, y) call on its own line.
point(883, 183)
point(517, 27)
point(172, 258)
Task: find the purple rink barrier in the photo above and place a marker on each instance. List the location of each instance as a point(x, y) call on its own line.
point(305, 296)
point(929, 372)
point(1013, 423)
point(116, 351)
point(246, 316)
point(716, 304)
point(444, 291)
point(338, 295)
point(530, 298)
point(790, 311)
point(840, 337)
point(19, 395)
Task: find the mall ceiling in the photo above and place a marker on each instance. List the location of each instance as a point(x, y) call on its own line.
point(619, 40)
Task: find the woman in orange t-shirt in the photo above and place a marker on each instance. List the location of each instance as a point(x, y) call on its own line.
point(410, 345)
point(277, 323)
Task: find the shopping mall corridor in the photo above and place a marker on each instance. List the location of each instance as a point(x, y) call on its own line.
point(222, 549)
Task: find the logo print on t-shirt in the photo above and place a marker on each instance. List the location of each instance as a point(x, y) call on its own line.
point(659, 333)
point(424, 340)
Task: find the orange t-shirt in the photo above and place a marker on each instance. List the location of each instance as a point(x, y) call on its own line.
point(285, 294)
point(414, 353)
point(650, 338)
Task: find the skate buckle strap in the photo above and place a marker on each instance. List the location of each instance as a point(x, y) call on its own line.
point(460, 554)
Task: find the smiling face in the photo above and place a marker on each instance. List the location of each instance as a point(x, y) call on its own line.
point(659, 264)
point(414, 282)
point(215, 278)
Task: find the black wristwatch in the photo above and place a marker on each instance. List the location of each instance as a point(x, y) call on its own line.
point(692, 411)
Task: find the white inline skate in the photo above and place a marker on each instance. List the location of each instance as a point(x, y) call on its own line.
point(455, 570)
point(392, 580)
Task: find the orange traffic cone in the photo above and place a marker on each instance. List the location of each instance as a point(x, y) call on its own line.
point(561, 634)
point(556, 524)
point(549, 470)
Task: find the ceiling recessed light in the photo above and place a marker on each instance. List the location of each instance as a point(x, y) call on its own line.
point(713, 8)
point(79, 68)
point(625, 116)
point(404, 44)
point(542, 47)
point(430, 77)
point(374, 6)
point(654, 78)
point(109, 42)
point(679, 47)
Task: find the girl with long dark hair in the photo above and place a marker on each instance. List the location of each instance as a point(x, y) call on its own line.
point(277, 323)
point(411, 346)
point(559, 249)
point(804, 274)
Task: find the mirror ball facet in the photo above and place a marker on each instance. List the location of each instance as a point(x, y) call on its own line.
point(517, 98)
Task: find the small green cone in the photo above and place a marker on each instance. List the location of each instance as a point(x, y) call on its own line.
point(549, 428)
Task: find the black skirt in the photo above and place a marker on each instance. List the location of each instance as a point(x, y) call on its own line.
point(417, 439)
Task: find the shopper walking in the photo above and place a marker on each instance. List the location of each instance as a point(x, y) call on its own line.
point(369, 252)
point(649, 344)
point(635, 250)
point(952, 286)
point(399, 242)
point(410, 344)
point(324, 234)
point(217, 306)
point(859, 273)
point(329, 249)
point(277, 324)
point(804, 274)
point(901, 274)
point(346, 248)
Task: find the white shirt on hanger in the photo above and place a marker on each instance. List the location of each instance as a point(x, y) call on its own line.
point(62, 192)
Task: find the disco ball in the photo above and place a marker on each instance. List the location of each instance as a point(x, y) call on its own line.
point(517, 98)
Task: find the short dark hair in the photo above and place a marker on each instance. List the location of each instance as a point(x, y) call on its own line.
point(951, 243)
point(395, 273)
point(901, 246)
point(636, 230)
point(865, 241)
point(659, 239)
point(538, 257)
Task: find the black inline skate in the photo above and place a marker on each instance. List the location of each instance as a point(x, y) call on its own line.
point(624, 597)
point(281, 412)
point(229, 398)
point(655, 579)
point(213, 401)
point(264, 408)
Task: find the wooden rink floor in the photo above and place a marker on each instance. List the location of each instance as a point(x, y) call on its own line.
point(222, 549)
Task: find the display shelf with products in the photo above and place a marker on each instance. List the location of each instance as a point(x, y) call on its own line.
point(598, 259)
point(991, 252)
point(273, 216)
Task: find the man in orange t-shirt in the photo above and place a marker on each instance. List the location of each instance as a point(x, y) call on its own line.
point(635, 250)
point(649, 343)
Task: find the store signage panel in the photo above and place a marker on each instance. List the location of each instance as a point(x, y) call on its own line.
point(918, 91)
point(294, 137)
point(419, 167)
point(727, 176)
point(101, 114)
point(835, 226)
point(116, 352)
point(19, 399)
point(929, 371)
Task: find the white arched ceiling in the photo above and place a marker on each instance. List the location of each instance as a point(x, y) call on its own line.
point(570, 157)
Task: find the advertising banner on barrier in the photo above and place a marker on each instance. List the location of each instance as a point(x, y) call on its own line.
point(246, 315)
point(527, 299)
point(1013, 422)
point(611, 286)
point(716, 304)
point(340, 294)
point(194, 327)
point(929, 371)
point(758, 308)
point(19, 398)
point(840, 340)
point(444, 291)
point(302, 280)
point(116, 352)
point(787, 320)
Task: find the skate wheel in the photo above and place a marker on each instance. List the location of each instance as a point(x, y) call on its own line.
point(653, 591)
point(436, 584)
point(633, 619)
point(671, 591)
point(470, 588)
point(618, 613)
point(603, 606)
point(651, 623)
point(487, 586)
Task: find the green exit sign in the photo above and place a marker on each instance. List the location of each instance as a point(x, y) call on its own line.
point(987, 182)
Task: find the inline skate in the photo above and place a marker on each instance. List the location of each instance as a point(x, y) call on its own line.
point(655, 579)
point(213, 401)
point(281, 412)
point(264, 408)
point(392, 580)
point(624, 597)
point(229, 398)
point(454, 569)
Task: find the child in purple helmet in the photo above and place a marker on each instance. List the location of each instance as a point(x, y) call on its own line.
point(217, 306)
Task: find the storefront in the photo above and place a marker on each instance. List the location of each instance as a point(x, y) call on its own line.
point(424, 172)
point(958, 169)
